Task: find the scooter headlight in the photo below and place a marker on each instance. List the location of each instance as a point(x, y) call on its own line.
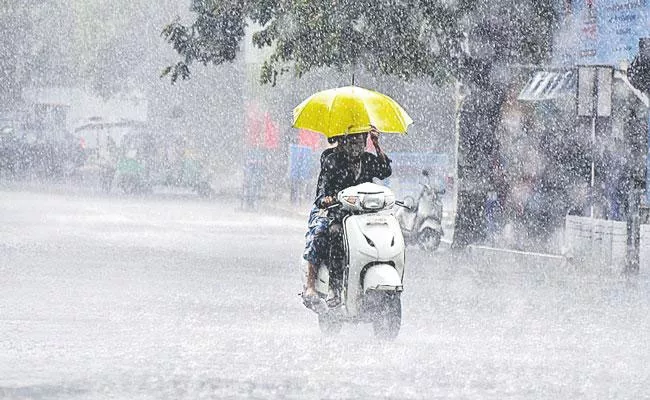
point(374, 201)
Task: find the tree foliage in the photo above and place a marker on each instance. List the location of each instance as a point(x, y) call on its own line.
point(406, 38)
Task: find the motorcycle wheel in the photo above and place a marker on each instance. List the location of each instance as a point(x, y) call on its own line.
point(387, 320)
point(429, 239)
point(329, 325)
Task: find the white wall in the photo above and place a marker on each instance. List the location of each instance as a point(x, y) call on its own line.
point(602, 243)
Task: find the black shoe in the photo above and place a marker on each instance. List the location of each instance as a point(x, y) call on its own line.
point(335, 300)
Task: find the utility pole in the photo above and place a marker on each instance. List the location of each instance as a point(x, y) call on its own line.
point(594, 109)
point(637, 133)
point(633, 233)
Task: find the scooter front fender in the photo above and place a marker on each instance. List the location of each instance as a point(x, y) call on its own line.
point(382, 277)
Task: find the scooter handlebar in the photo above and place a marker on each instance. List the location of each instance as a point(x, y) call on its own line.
point(401, 204)
point(333, 206)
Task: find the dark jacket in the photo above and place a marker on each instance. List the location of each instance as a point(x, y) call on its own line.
point(323, 157)
point(338, 173)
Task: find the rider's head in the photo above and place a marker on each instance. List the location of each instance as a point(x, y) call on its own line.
point(353, 145)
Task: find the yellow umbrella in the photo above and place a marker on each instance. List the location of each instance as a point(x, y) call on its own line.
point(348, 110)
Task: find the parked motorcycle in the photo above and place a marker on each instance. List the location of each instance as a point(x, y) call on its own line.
point(367, 276)
point(421, 220)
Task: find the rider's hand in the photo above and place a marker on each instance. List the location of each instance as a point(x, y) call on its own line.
point(374, 137)
point(327, 201)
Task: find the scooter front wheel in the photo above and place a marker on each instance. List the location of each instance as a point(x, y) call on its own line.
point(387, 320)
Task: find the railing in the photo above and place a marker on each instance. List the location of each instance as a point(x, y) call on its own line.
point(602, 243)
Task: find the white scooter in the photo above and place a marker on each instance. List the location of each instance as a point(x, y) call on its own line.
point(421, 221)
point(369, 274)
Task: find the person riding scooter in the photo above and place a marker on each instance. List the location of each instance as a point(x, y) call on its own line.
point(347, 165)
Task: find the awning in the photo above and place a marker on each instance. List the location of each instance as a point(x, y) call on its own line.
point(99, 123)
point(548, 85)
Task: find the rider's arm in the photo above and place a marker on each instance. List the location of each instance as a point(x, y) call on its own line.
point(323, 157)
point(327, 184)
point(380, 153)
point(381, 166)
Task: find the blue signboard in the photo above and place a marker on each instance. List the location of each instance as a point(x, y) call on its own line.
point(301, 162)
point(609, 30)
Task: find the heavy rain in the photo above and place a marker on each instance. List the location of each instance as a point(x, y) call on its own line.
point(322, 199)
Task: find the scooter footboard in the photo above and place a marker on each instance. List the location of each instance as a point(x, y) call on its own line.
point(382, 277)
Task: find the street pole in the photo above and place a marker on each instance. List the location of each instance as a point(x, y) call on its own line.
point(637, 139)
point(633, 233)
point(458, 95)
point(637, 129)
point(592, 189)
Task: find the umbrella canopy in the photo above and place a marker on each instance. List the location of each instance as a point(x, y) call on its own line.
point(349, 110)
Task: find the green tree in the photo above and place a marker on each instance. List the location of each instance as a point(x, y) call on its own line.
point(471, 41)
point(397, 38)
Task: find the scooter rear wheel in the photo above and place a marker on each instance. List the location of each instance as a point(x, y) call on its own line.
point(429, 239)
point(329, 325)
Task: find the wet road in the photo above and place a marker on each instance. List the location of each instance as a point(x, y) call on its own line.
point(131, 298)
